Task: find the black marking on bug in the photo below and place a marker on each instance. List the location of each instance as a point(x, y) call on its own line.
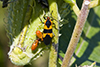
point(47, 31)
point(48, 23)
point(47, 39)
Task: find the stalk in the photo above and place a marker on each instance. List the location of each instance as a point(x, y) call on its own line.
point(76, 33)
point(54, 47)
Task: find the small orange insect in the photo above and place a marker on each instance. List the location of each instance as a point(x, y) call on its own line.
point(35, 44)
point(39, 35)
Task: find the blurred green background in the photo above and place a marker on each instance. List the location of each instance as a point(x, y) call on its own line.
point(4, 62)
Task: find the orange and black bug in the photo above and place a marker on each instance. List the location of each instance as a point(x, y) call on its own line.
point(47, 33)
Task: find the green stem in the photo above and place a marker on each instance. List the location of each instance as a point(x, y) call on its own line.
point(73, 5)
point(94, 3)
point(76, 33)
point(54, 47)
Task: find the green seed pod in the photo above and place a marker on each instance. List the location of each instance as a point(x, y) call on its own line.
point(21, 29)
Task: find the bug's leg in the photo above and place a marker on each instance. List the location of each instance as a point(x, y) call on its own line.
point(55, 26)
point(53, 17)
point(41, 20)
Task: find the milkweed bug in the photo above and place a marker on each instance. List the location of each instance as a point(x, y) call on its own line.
point(47, 33)
point(35, 44)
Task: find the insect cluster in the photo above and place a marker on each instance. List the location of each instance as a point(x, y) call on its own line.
point(46, 36)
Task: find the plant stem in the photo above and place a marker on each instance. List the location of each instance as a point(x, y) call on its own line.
point(54, 47)
point(73, 5)
point(94, 3)
point(76, 33)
